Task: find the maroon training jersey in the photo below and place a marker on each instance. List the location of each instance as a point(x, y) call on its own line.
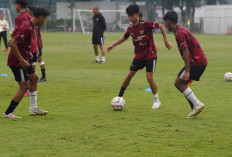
point(25, 36)
point(142, 36)
point(185, 39)
point(39, 38)
point(21, 18)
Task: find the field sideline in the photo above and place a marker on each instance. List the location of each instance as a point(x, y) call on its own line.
point(78, 95)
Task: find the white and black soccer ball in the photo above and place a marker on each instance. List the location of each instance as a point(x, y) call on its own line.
point(118, 103)
point(228, 77)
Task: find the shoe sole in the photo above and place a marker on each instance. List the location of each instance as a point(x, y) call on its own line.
point(198, 111)
point(36, 114)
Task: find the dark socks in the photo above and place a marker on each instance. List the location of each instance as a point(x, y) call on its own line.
point(12, 107)
point(43, 73)
point(121, 92)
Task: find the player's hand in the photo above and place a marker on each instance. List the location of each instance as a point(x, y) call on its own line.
point(31, 55)
point(24, 63)
point(185, 77)
point(110, 48)
point(169, 46)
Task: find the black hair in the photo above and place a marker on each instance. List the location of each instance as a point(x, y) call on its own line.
point(172, 16)
point(40, 12)
point(31, 8)
point(141, 15)
point(132, 9)
point(22, 3)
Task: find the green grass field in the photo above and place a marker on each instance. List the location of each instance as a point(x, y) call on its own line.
point(81, 122)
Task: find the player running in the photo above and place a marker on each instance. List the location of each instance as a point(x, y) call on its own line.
point(141, 32)
point(194, 59)
point(18, 61)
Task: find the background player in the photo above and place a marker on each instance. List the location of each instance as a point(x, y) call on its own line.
point(18, 58)
point(30, 10)
point(145, 51)
point(23, 16)
point(99, 26)
point(3, 31)
point(194, 59)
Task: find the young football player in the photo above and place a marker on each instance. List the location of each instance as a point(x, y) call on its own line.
point(141, 32)
point(18, 61)
point(194, 59)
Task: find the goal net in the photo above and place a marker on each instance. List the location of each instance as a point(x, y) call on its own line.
point(116, 20)
point(7, 15)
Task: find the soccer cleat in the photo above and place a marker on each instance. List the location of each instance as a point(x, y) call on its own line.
point(156, 104)
point(10, 115)
point(43, 79)
point(5, 50)
point(102, 62)
point(96, 61)
point(37, 111)
point(27, 94)
point(197, 110)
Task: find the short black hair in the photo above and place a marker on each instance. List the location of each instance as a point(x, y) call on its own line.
point(40, 12)
point(132, 9)
point(172, 16)
point(31, 8)
point(22, 3)
point(140, 14)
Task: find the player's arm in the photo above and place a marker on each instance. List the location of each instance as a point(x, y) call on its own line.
point(185, 52)
point(116, 43)
point(163, 31)
point(13, 45)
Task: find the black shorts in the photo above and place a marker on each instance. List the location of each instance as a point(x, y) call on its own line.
point(20, 74)
point(195, 72)
point(138, 64)
point(97, 39)
point(40, 51)
point(34, 59)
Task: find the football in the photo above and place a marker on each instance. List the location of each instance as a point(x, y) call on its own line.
point(228, 77)
point(118, 103)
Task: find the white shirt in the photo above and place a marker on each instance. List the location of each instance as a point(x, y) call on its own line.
point(3, 25)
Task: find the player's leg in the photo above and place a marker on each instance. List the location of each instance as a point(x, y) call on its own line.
point(22, 79)
point(101, 46)
point(153, 86)
point(126, 82)
point(95, 47)
point(135, 66)
point(150, 69)
point(103, 53)
point(5, 40)
point(42, 66)
point(182, 86)
point(33, 80)
point(97, 60)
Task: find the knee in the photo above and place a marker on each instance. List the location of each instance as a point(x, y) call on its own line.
point(25, 86)
point(34, 79)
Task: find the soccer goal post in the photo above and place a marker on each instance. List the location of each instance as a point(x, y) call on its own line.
point(7, 16)
point(116, 20)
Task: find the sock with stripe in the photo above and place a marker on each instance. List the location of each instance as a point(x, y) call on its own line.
point(188, 93)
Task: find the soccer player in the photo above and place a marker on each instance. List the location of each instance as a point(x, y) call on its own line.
point(141, 32)
point(18, 62)
point(22, 17)
point(30, 10)
point(99, 26)
point(194, 59)
point(3, 31)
